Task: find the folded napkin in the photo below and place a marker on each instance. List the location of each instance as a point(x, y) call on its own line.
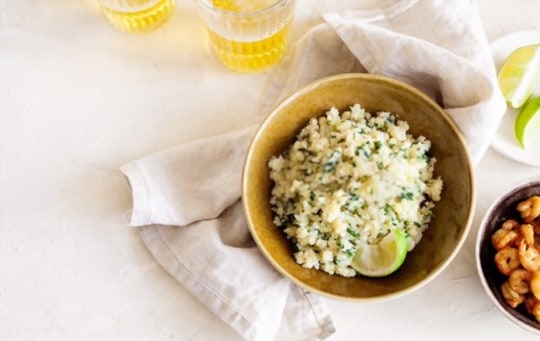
point(186, 200)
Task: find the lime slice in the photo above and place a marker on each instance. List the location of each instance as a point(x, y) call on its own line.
point(383, 258)
point(519, 74)
point(527, 126)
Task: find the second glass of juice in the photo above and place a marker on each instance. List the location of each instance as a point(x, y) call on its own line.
point(137, 15)
point(248, 35)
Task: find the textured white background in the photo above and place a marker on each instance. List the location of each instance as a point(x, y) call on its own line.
point(78, 99)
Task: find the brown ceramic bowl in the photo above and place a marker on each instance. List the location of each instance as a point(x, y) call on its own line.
point(502, 209)
point(453, 214)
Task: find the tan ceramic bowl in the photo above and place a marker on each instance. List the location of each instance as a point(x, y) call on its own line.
point(453, 214)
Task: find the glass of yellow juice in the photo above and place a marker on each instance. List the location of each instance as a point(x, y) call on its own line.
point(248, 35)
point(137, 15)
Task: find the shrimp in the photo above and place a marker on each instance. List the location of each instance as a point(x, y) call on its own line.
point(507, 260)
point(512, 297)
point(527, 233)
point(535, 284)
point(532, 305)
point(529, 209)
point(503, 237)
point(535, 311)
point(536, 226)
point(519, 281)
point(517, 243)
point(510, 224)
point(529, 256)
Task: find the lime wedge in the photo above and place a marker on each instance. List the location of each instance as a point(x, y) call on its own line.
point(527, 126)
point(519, 74)
point(383, 258)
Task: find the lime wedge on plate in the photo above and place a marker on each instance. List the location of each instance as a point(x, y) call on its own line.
point(381, 259)
point(527, 126)
point(519, 74)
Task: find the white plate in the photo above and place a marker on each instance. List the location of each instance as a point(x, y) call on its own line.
point(505, 141)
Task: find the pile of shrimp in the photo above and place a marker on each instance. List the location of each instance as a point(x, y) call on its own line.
point(518, 257)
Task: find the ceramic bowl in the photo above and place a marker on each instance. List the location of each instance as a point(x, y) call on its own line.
point(453, 214)
point(503, 208)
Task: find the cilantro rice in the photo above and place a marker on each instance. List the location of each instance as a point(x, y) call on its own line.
point(349, 179)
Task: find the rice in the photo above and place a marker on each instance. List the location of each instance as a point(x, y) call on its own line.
point(349, 179)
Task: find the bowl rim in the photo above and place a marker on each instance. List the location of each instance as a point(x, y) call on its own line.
point(503, 195)
point(470, 169)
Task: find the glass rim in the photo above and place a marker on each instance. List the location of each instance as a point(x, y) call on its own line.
point(208, 6)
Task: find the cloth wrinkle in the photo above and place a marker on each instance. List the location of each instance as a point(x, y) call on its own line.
point(201, 281)
point(198, 280)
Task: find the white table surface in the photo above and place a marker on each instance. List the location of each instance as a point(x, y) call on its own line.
point(78, 99)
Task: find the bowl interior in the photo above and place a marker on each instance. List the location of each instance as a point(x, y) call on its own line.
point(504, 208)
point(375, 93)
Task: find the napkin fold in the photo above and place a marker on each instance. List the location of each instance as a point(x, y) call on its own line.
point(187, 201)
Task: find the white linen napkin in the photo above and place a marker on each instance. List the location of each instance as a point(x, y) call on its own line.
point(186, 200)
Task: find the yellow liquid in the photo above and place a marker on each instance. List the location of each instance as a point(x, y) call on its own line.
point(250, 56)
point(142, 20)
point(243, 5)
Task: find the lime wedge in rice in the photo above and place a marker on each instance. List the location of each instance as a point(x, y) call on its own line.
point(519, 74)
point(527, 125)
point(381, 259)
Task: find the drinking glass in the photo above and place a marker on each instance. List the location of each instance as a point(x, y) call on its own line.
point(137, 15)
point(248, 35)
